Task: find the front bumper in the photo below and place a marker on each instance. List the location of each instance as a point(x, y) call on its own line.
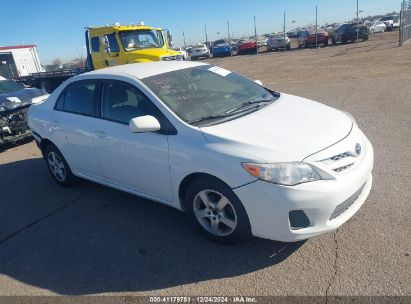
point(13, 125)
point(269, 205)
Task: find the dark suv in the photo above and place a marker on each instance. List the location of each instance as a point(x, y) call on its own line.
point(348, 32)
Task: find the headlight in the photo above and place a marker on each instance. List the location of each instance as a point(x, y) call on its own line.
point(39, 99)
point(288, 174)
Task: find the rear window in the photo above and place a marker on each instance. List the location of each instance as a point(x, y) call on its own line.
point(95, 44)
point(219, 42)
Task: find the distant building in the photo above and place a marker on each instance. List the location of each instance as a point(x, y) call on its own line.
point(19, 60)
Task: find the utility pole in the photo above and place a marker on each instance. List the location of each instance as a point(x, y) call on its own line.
point(184, 37)
point(205, 31)
point(316, 27)
point(256, 38)
point(229, 37)
point(285, 47)
point(357, 27)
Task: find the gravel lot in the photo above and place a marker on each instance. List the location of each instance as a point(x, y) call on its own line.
point(95, 240)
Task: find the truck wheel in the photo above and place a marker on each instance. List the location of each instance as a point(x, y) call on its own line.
point(326, 43)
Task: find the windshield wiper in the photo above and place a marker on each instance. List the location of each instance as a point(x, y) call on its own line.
point(250, 102)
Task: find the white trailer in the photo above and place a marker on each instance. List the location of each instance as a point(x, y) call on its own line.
point(19, 60)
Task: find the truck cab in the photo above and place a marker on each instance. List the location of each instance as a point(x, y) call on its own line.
point(121, 44)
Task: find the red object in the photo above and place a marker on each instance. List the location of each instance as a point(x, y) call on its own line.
point(2, 48)
point(321, 37)
point(247, 46)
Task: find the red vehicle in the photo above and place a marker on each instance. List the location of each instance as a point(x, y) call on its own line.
point(247, 46)
point(307, 38)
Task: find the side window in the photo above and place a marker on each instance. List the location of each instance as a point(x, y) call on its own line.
point(121, 102)
point(95, 44)
point(111, 45)
point(79, 98)
point(60, 102)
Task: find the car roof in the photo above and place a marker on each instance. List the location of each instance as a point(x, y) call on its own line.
point(145, 69)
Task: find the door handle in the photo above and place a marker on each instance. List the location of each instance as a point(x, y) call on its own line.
point(101, 134)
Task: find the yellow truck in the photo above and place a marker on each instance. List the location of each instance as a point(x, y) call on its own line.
point(122, 44)
point(112, 45)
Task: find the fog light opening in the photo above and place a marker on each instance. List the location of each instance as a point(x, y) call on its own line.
point(298, 219)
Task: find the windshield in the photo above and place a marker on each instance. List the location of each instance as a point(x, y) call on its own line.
point(9, 86)
point(204, 91)
point(387, 18)
point(140, 39)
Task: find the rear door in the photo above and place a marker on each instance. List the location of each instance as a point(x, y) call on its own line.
point(73, 127)
point(136, 161)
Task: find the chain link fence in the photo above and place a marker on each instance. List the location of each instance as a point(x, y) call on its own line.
point(405, 22)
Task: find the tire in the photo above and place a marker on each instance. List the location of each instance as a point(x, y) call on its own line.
point(288, 47)
point(58, 167)
point(224, 224)
point(306, 45)
point(334, 42)
point(326, 43)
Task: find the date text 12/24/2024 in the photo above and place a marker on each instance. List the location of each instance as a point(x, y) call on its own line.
point(203, 299)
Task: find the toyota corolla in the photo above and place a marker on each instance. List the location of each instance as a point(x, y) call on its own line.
point(239, 158)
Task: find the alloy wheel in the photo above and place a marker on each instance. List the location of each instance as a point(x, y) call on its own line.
point(215, 213)
point(56, 166)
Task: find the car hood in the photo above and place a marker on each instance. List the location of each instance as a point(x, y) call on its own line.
point(22, 98)
point(290, 129)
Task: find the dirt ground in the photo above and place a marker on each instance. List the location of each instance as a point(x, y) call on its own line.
point(95, 240)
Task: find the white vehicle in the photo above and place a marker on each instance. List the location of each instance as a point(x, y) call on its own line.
point(276, 42)
point(199, 50)
point(378, 27)
point(182, 52)
point(391, 22)
point(239, 158)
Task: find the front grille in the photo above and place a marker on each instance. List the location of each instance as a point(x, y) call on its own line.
point(341, 208)
point(343, 168)
point(14, 121)
point(172, 58)
point(336, 158)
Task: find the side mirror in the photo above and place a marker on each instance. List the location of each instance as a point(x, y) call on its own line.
point(258, 82)
point(143, 124)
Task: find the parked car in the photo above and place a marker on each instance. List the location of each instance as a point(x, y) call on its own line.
point(246, 47)
point(389, 22)
point(182, 52)
point(377, 27)
point(308, 37)
point(199, 51)
point(221, 48)
point(348, 32)
point(238, 157)
point(276, 42)
point(15, 100)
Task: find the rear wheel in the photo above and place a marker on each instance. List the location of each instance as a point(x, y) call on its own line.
point(326, 43)
point(217, 211)
point(58, 167)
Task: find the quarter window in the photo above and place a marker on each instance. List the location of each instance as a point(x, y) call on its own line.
point(79, 98)
point(122, 102)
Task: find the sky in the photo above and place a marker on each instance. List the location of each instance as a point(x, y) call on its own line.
point(57, 27)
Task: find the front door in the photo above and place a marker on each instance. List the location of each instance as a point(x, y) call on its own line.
point(137, 161)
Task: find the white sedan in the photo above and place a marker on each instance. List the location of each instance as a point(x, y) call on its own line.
point(238, 157)
point(378, 27)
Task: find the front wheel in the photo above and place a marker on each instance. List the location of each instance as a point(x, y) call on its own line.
point(217, 211)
